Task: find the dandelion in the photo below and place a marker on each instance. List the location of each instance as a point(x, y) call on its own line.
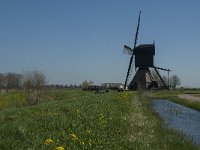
point(88, 131)
point(102, 119)
point(82, 143)
point(48, 141)
point(101, 116)
point(73, 137)
point(60, 148)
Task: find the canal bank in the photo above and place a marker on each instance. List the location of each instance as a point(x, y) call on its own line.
point(173, 96)
point(180, 118)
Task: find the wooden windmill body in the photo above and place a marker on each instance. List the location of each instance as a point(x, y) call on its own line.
point(143, 57)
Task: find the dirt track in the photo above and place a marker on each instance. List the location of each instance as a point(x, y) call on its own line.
point(189, 97)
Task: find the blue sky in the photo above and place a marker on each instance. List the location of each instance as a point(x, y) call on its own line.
point(75, 40)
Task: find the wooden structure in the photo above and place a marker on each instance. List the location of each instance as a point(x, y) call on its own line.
point(143, 57)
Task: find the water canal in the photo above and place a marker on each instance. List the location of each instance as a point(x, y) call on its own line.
point(179, 117)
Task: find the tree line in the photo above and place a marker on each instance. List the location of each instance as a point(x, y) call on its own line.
point(31, 80)
point(172, 82)
point(66, 86)
point(10, 80)
point(36, 80)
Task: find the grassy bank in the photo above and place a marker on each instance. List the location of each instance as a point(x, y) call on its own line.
point(83, 120)
point(173, 96)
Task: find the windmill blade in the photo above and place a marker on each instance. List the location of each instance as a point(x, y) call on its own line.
point(131, 59)
point(137, 31)
point(127, 50)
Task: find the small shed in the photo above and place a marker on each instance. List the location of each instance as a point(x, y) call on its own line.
point(144, 55)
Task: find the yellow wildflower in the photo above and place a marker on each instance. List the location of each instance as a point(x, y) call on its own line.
point(60, 148)
point(73, 137)
point(101, 116)
point(48, 141)
point(82, 143)
point(88, 131)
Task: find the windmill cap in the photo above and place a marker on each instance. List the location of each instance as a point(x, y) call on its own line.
point(145, 48)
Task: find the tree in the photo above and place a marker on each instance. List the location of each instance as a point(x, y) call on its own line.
point(2, 81)
point(174, 81)
point(33, 82)
point(12, 80)
point(165, 80)
point(85, 84)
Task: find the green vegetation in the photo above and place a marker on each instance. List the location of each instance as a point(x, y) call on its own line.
point(85, 120)
point(173, 96)
point(12, 99)
point(193, 105)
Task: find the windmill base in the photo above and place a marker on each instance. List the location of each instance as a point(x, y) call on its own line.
point(143, 80)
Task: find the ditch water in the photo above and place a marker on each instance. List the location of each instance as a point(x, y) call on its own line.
point(181, 118)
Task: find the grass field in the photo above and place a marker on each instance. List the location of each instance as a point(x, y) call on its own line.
point(12, 99)
point(84, 120)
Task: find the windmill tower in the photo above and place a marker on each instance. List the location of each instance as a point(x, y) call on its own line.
point(143, 57)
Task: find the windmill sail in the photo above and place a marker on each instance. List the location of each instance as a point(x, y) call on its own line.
point(128, 48)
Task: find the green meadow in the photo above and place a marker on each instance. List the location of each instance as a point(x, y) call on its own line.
point(73, 120)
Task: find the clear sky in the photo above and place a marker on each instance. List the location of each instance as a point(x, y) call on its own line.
point(75, 40)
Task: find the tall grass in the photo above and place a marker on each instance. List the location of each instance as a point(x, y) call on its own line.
point(77, 120)
point(84, 120)
point(12, 99)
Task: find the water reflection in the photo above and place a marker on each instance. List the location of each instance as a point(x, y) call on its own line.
point(179, 117)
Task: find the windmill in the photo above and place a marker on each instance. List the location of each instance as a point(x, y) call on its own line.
point(143, 57)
